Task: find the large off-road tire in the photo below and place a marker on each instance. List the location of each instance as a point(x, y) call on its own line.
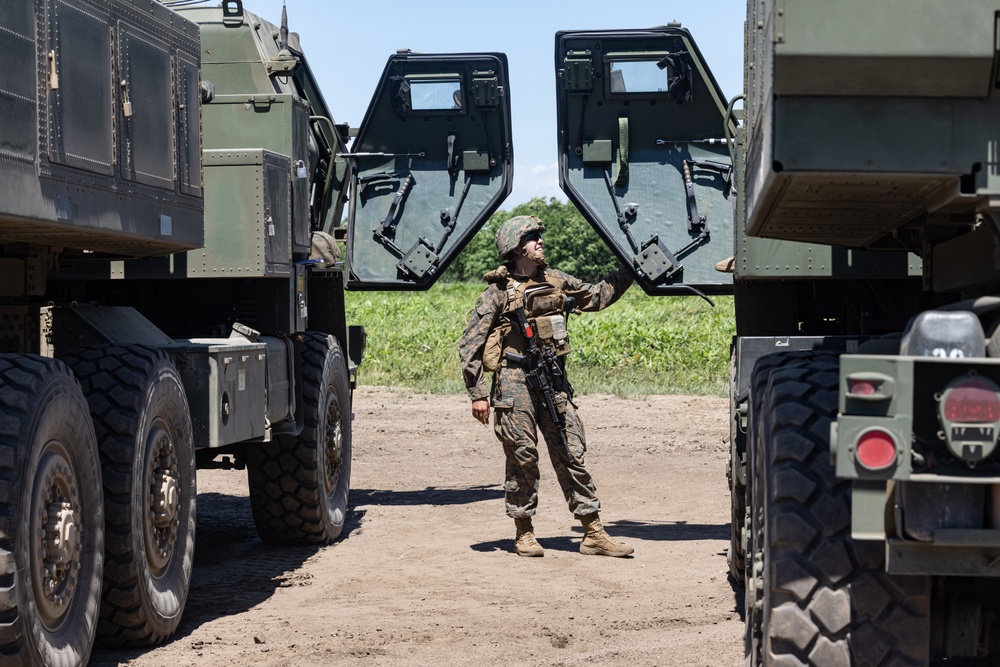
point(736, 475)
point(143, 426)
point(51, 516)
point(299, 485)
point(820, 598)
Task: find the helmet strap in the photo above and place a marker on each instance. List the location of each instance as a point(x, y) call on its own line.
point(535, 257)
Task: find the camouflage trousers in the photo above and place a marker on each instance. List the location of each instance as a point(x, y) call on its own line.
point(518, 416)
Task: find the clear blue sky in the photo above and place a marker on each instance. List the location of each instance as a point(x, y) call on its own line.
point(347, 44)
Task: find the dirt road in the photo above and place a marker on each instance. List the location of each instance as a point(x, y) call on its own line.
point(425, 574)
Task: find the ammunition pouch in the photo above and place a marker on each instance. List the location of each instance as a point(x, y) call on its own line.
point(543, 301)
point(550, 330)
point(494, 348)
point(544, 309)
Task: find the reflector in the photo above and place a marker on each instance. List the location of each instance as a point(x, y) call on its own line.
point(876, 449)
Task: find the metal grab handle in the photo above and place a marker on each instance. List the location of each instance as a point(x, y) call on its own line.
point(731, 115)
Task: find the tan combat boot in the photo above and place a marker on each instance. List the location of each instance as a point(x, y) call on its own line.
point(727, 265)
point(525, 543)
point(596, 542)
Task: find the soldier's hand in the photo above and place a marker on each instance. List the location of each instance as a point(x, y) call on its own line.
point(481, 410)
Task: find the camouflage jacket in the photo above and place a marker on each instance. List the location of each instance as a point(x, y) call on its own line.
point(492, 302)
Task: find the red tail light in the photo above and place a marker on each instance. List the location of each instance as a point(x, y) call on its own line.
point(972, 402)
point(863, 387)
point(876, 449)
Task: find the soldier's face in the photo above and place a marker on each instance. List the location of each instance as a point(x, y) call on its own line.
point(532, 246)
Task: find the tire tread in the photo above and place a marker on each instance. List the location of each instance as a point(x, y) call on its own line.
point(112, 377)
point(23, 379)
point(285, 486)
point(794, 400)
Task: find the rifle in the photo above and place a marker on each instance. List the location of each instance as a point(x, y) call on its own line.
point(541, 371)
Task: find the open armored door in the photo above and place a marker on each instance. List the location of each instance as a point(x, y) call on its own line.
point(643, 153)
point(431, 162)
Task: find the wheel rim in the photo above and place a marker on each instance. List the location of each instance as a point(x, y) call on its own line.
point(333, 444)
point(163, 498)
point(56, 521)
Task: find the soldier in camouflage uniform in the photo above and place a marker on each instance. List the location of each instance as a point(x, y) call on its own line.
point(523, 280)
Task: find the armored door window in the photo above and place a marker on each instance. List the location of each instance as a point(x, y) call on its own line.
point(435, 95)
point(147, 110)
point(81, 93)
point(643, 76)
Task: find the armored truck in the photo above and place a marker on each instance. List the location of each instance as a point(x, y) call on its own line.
point(850, 198)
point(179, 219)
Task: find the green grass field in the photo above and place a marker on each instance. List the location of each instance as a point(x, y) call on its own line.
point(641, 345)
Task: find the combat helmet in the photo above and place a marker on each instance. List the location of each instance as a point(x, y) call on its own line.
point(512, 231)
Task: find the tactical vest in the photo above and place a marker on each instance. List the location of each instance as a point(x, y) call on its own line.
point(544, 304)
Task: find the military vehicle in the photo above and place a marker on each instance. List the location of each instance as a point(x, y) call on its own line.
point(856, 186)
point(173, 260)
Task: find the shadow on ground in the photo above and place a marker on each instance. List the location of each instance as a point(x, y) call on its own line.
point(233, 570)
point(432, 495)
point(664, 530)
point(507, 544)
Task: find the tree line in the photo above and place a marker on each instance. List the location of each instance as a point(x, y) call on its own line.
point(571, 244)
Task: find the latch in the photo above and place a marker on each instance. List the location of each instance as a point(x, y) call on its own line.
point(243, 331)
point(656, 261)
point(449, 219)
point(419, 260)
point(578, 71)
point(696, 221)
point(53, 72)
point(452, 155)
point(126, 103)
point(485, 89)
point(257, 104)
point(387, 228)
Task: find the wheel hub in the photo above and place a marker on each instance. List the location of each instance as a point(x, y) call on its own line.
point(163, 499)
point(57, 527)
point(334, 444)
point(166, 501)
point(62, 537)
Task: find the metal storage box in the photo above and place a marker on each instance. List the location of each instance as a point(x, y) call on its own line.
point(860, 121)
point(225, 385)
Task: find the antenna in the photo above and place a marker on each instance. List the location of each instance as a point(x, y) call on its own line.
point(283, 33)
